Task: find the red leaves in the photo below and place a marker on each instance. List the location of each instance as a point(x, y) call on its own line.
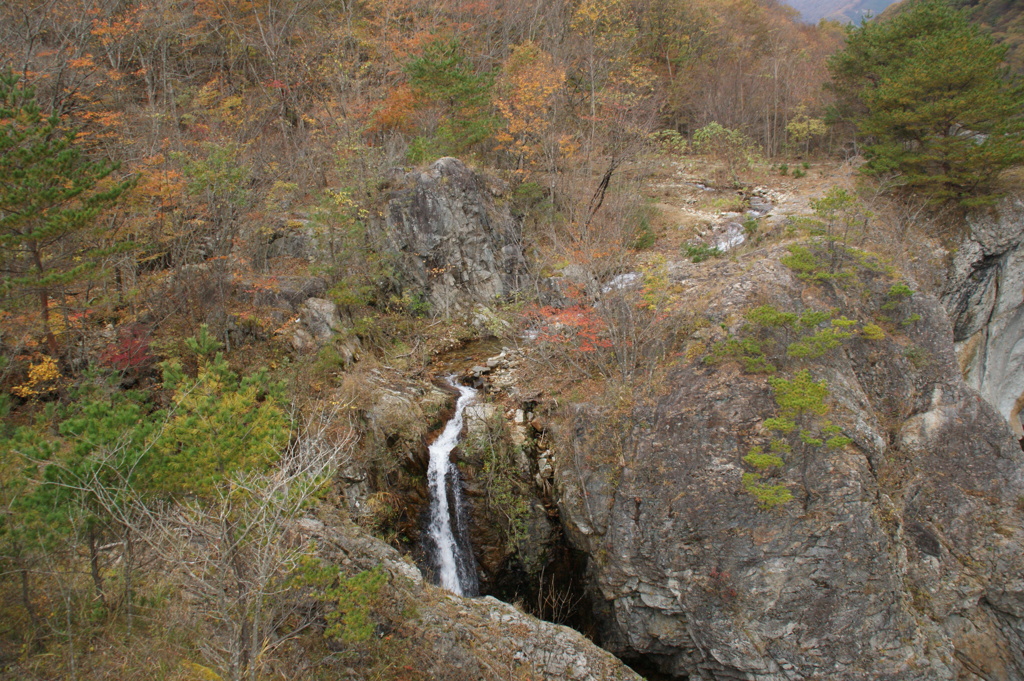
point(579, 327)
point(130, 351)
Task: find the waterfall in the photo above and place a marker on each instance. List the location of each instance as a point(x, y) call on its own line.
point(456, 570)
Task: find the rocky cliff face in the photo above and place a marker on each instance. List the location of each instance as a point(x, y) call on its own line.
point(899, 554)
point(984, 296)
point(455, 242)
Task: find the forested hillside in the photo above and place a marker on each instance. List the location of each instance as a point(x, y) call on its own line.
point(243, 245)
point(1006, 21)
point(227, 116)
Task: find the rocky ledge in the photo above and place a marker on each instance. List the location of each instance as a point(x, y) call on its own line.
point(448, 637)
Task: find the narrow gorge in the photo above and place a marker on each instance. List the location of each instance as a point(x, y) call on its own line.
point(899, 554)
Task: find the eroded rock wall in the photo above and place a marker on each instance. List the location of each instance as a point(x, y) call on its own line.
point(900, 555)
point(984, 296)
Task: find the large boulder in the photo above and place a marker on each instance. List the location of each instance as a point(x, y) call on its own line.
point(899, 556)
point(983, 296)
point(456, 244)
point(449, 637)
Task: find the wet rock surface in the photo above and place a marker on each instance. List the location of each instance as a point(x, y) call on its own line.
point(899, 556)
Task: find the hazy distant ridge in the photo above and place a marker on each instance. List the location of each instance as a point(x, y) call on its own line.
point(813, 11)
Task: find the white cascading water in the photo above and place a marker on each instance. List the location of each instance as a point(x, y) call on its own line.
point(453, 567)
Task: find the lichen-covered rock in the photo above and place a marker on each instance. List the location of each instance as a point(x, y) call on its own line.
point(900, 554)
point(319, 324)
point(455, 243)
point(320, 317)
point(984, 295)
point(510, 530)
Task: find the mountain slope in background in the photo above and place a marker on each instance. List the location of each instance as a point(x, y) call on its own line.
point(1003, 18)
point(812, 11)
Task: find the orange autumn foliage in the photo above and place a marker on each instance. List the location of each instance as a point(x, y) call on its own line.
point(525, 91)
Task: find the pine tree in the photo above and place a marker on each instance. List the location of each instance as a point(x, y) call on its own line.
point(222, 425)
point(932, 102)
point(443, 77)
point(49, 191)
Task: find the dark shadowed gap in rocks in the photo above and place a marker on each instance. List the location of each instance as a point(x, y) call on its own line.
point(554, 588)
point(555, 593)
point(649, 669)
point(559, 594)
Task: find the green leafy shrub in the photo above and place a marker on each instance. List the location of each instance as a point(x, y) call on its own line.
point(644, 236)
point(746, 351)
point(768, 495)
point(800, 395)
point(768, 316)
point(872, 332)
point(818, 344)
point(809, 266)
point(899, 291)
point(730, 147)
point(701, 252)
point(760, 460)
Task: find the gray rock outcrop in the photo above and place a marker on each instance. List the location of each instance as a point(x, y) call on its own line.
point(456, 638)
point(984, 296)
point(456, 244)
point(319, 324)
point(899, 556)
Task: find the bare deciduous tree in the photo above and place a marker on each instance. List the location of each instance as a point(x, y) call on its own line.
point(234, 554)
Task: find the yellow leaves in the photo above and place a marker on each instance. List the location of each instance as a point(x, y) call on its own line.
point(158, 187)
point(525, 91)
point(85, 62)
point(197, 672)
point(341, 197)
point(102, 124)
point(42, 379)
point(111, 31)
point(803, 128)
point(225, 108)
point(605, 20)
point(568, 145)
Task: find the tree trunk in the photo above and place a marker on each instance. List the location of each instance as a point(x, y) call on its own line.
point(26, 599)
point(129, 558)
point(44, 301)
point(94, 568)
